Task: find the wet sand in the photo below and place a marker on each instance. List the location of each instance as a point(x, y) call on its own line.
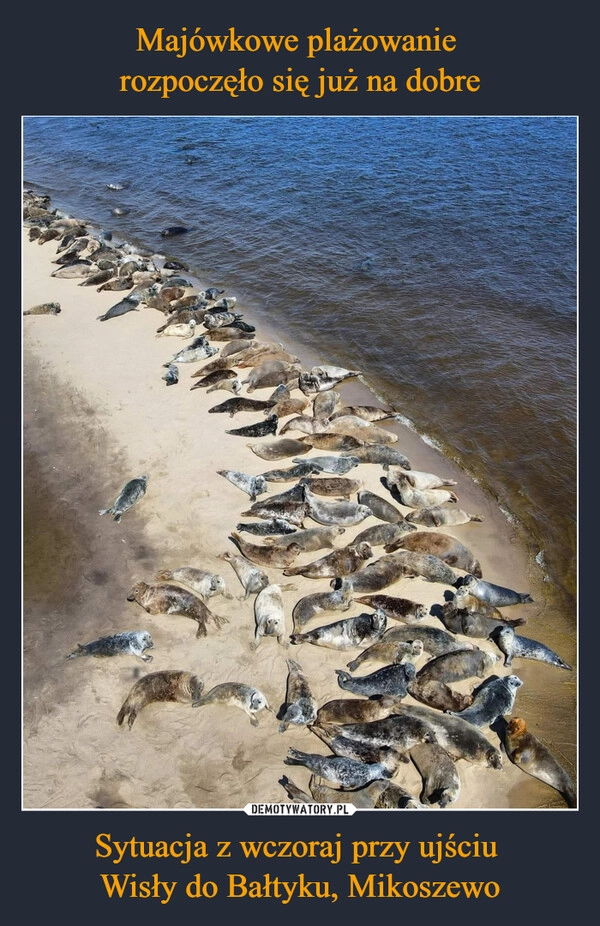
point(96, 413)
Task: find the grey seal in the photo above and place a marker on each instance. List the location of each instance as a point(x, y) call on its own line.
point(342, 513)
point(494, 698)
point(528, 753)
point(305, 468)
point(312, 538)
point(165, 598)
point(323, 378)
point(396, 732)
point(357, 710)
point(389, 652)
point(267, 528)
point(131, 492)
point(477, 624)
point(199, 349)
point(294, 792)
point(264, 555)
point(260, 429)
point(306, 607)
point(330, 441)
point(437, 516)
point(252, 579)
point(397, 609)
point(435, 640)
point(240, 404)
point(340, 562)
point(381, 453)
point(415, 478)
point(332, 464)
point(44, 308)
point(300, 707)
point(392, 679)
point(236, 694)
point(378, 535)
point(129, 642)
point(171, 230)
point(458, 665)
point(342, 745)
point(347, 773)
point(497, 595)
point(511, 644)
point(380, 507)
point(422, 498)
point(251, 485)
point(279, 449)
point(325, 403)
point(446, 548)
point(171, 375)
point(269, 615)
point(128, 304)
point(460, 739)
point(438, 695)
point(338, 486)
point(168, 685)
point(345, 634)
point(205, 584)
point(426, 565)
point(441, 781)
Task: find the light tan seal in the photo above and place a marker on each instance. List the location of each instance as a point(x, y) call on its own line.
point(205, 584)
point(437, 516)
point(252, 579)
point(236, 694)
point(168, 685)
point(269, 615)
point(530, 755)
point(265, 555)
point(164, 598)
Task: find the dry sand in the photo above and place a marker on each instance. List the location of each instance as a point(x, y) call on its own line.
point(97, 413)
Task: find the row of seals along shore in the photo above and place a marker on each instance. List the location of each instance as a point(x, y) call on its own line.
point(398, 712)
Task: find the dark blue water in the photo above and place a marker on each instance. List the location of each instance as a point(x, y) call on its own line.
point(436, 254)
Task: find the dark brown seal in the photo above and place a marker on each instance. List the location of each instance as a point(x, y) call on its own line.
point(164, 598)
point(169, 685)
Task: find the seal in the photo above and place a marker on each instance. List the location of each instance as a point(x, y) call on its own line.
point(129, 642)
point(377, 575)
point(165, 598)
point(292, 473)
point(380, 507)
point(294, 792)
point(381, 534)
point(414, 478)
point(382, 454)
point(330, 441)
point(128, 304)
point(279, 449)
point(332, 464)
point(236, 694)
point(323, 378)
point(168, 685)
point(337, 486)
point(367, 412)
point(441, 781)
point(345, 634)
point(251, 578)
point(251, 485)
point(131, 492)
point(391, 679)
point(264, 555)
point(171, 375)
point(342, 745)
point(240, 404)
point(528, 752)
point(309, 605)
point(325, 403)
point(269, 615)
point(292, 510)
point(289, 406)
point(494, 698)
point(226, 385)
point(312, 538)
point(448, 549)
point(44, 308)
point(357, 710)
point(458, 665)
point(497, 595)
point(199, 349)
point(179, 330)
point(422, 498)
point(438, 695)
point(389, 652)
point(267, 528)
point(460, 739)
point(399, 733)
point(204, 584)
point(342, 513)
point(172, 230)
point(362, 430)
point(340, 562)
point(426, 565)
point(270, 373)
point(477, 624)
point(260, 429)
point(300, 707)
point(261, 352)
point(348, 774)
point(396, 609)
point(215, 378)
point(391, 796)
point(511, 644)
point(435, 640)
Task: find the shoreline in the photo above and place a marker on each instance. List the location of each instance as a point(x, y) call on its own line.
point(97, 411)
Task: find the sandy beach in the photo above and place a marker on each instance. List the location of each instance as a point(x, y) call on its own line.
point(97, 413)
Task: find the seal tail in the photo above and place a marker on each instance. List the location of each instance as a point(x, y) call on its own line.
point(105, 511)
point(343, 678)
point(295, 757)
point(76, 652)
point(129, 712)
point(296, 638)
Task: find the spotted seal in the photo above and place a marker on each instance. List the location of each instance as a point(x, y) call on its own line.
point(497, 595)
point(348, 774)
point(448, 549)
point(441, 781)
point(269, 615)
point(391, 679)
point(129, 642)
point(300, 707)
point(251, 485)
point(251, 578)
point(494, 698)
point(131, 492)
point(241, 404)
point(458, 665)
point(205, 584)
point(267, 528)
point(344, 634)
point(168, 685)
point(342, 745)
point(528, 752)
point(265, 555)
point(511, 644)
point(380, 507)
point(260, 429)
point(340, 562)
point(397, 609)
point(44, 308)
point(310, 605)
point(236, 694)
point(389, 652)
point(165, 598)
